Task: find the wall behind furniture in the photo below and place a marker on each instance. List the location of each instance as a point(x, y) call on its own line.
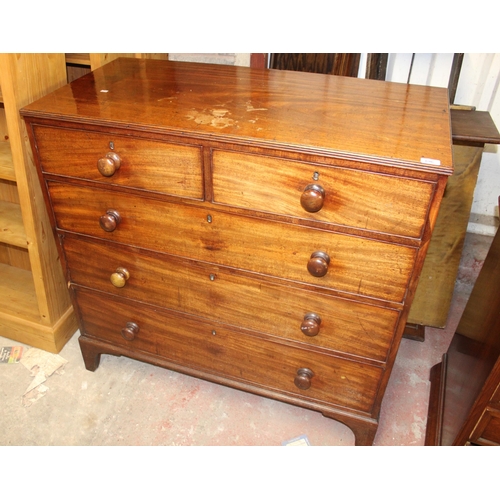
point(220, 58)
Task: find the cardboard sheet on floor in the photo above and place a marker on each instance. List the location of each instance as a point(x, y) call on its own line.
point(41, 365)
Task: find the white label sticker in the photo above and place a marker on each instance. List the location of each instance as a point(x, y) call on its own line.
point(430, 161)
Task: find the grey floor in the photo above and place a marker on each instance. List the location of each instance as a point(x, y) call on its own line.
point(126, 402)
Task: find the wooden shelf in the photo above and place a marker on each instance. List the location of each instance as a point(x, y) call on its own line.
point(11, 225)
point(80, 59)
point(35, 307)
point(18, 291)
point(6, 165)
point(95, 60)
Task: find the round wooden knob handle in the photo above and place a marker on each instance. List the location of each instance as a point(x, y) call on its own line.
point(318, 264)
point(310, 325)
point(120, 277)
point(109, 164)
point(130, 331)
point(303, 378)
point(312, 198)
point(110, 220)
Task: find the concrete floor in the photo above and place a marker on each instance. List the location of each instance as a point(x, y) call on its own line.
point(126, 402)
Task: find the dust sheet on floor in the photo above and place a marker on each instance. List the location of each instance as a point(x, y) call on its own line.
point(41, 365)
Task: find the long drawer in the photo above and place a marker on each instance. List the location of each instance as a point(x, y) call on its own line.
point(216, 349)
point(347, 197)
point(217, 293)
point(142, 164)
point(352, 264)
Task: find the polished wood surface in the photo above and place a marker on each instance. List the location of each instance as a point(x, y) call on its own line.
point(357, 196)
point(143, 164)
point(210, 291)
point(379, 269)
point(395, 124)
point(213, 348)
point(256, 228)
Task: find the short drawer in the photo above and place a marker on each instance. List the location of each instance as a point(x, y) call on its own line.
point(215, 349)
point(347, 197)
point(216, 293)
point(142, 164)
point(321, 258)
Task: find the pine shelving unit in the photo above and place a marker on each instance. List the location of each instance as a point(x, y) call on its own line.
point(79, 64)
point(35, 308)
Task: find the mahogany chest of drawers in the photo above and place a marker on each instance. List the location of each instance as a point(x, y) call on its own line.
point(262, 229)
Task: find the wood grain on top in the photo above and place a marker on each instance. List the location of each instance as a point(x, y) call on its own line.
point(327, 114)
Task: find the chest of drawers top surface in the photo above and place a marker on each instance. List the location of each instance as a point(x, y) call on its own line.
point(325, 114)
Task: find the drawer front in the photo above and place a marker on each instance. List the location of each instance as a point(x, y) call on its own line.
point(346, 197)
point(356, 265)
point(220, 295)
point(216, 350)
point(144, 164)
point(487, 431)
